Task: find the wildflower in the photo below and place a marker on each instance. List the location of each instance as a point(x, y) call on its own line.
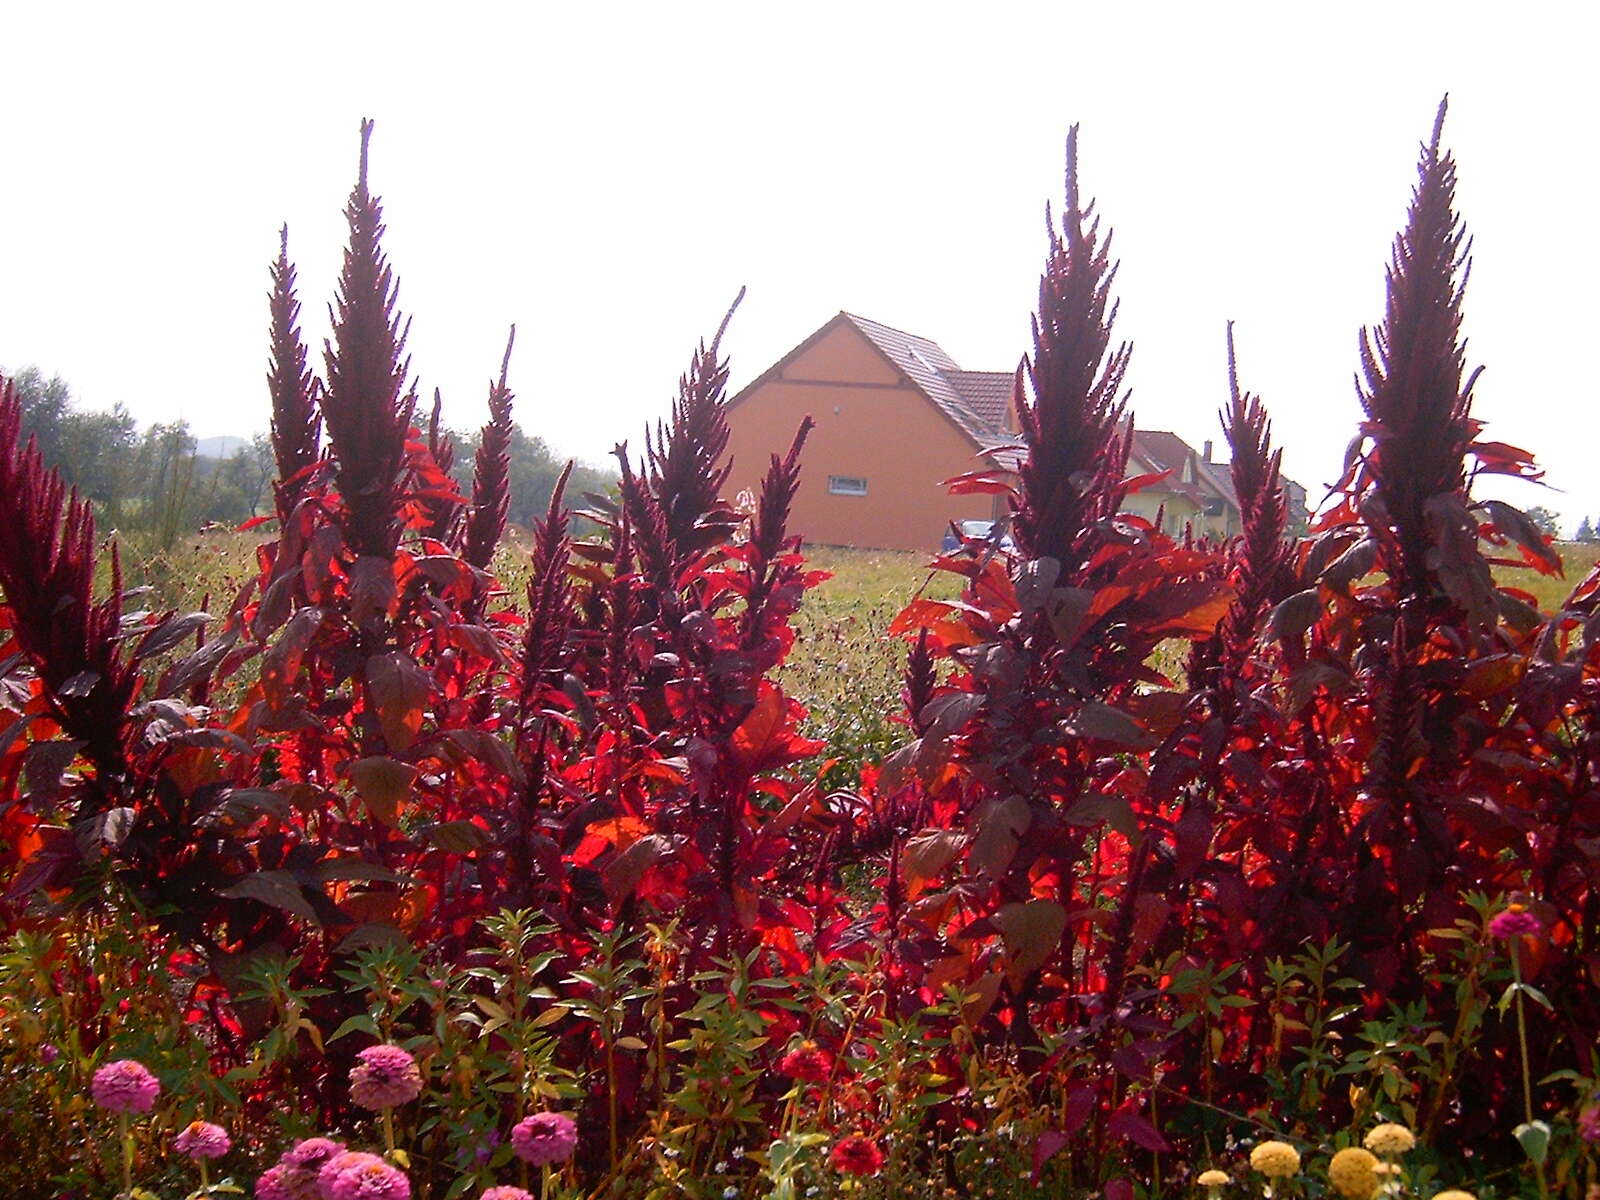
point(202, 1139)
point(1513, 921)
point(48, 1053)
point(1589, 1123)
point(384, 1076)
point(506, 1193)
point(124, 1086)
point(369, 1179)
point(544, 1138)
point(807, 1061)
point(1454, 1194)
point(309, 1154)
point(1389, 1139)
point(1213, 1178)
point(1353, 1173)
point(856, 1154)
point(273, 1184)
point(1275, 1160)
point(336, 1165)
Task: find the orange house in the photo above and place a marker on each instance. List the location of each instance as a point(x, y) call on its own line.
point(896, 417)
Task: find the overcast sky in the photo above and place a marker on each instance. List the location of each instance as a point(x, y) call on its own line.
point(607, 177)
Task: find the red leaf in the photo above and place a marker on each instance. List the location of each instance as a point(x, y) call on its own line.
point(1031, 932)
point(977, 483)
point(1125, 1123)
point(383, 785)
point(1045, 1147)
point(400, 691)
point(766, 738)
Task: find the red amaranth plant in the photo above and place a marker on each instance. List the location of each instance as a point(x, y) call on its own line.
point(432, 486)
point(366, 403)
point(491, 477)
point(296, 424)
point(684, 461)
point(47, 563)
point(1076, 451)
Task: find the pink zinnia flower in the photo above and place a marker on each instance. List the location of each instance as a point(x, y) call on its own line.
point(384, 1077)
point(337, 1165)
point(856, 1155)
point(271, 1184)
point(369, 1179)
point(506, 1193)
point(202, 1139)
point(1589, 1123)
point(544, 1138)
point(311, 1153)
point(124, 1086)
point(1513, 921)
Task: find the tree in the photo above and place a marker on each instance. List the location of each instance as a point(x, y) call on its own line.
point(46, 404)
point(1547, 519)
point(1585, 531)
point(534, 470)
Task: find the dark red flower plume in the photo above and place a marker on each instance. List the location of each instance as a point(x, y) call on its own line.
point(366, 406)
point(296, 424)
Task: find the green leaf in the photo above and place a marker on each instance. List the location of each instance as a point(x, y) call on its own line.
point(1538, 997)
point(361, 1022)
point(1535, 1139)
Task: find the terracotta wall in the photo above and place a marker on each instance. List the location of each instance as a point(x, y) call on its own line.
point(872, 425)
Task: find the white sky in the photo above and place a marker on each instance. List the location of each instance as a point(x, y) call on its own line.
point(606, 177)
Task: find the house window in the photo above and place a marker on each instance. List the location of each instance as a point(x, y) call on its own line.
point(847, 485)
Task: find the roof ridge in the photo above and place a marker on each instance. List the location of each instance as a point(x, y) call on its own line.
point(906, 333)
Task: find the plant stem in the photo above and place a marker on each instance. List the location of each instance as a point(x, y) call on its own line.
point(1522, 1041)
point(127, 1153)
point(388, 1132)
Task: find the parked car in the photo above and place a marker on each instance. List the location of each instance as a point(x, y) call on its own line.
point(966, 532)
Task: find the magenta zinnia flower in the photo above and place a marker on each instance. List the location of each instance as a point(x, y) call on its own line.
point(202, 1139)
point(370, 1178)
point(311, 1153)
point(272, 1184)
point(1513, 921)
point(384, 1077)
point(338, 1163)
point(48, 1053)
point(124, 1086)
point(544, 1138)
point(1589, 1123)
point(506, 1193)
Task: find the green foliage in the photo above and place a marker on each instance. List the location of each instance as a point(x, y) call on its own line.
point(534, 471)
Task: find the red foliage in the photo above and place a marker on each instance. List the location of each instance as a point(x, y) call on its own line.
point(1369, 727)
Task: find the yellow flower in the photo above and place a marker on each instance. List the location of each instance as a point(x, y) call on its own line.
point(1389, 1140)
point(1213, 1178)
point(1455, 1194)
point(1275, 1160)
point(1353, 1173)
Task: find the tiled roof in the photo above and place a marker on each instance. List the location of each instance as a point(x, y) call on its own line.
point(927, 365)
point(1220, 476)
point(986, 393)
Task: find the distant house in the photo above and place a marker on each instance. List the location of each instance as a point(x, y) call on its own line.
point(896, 417)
